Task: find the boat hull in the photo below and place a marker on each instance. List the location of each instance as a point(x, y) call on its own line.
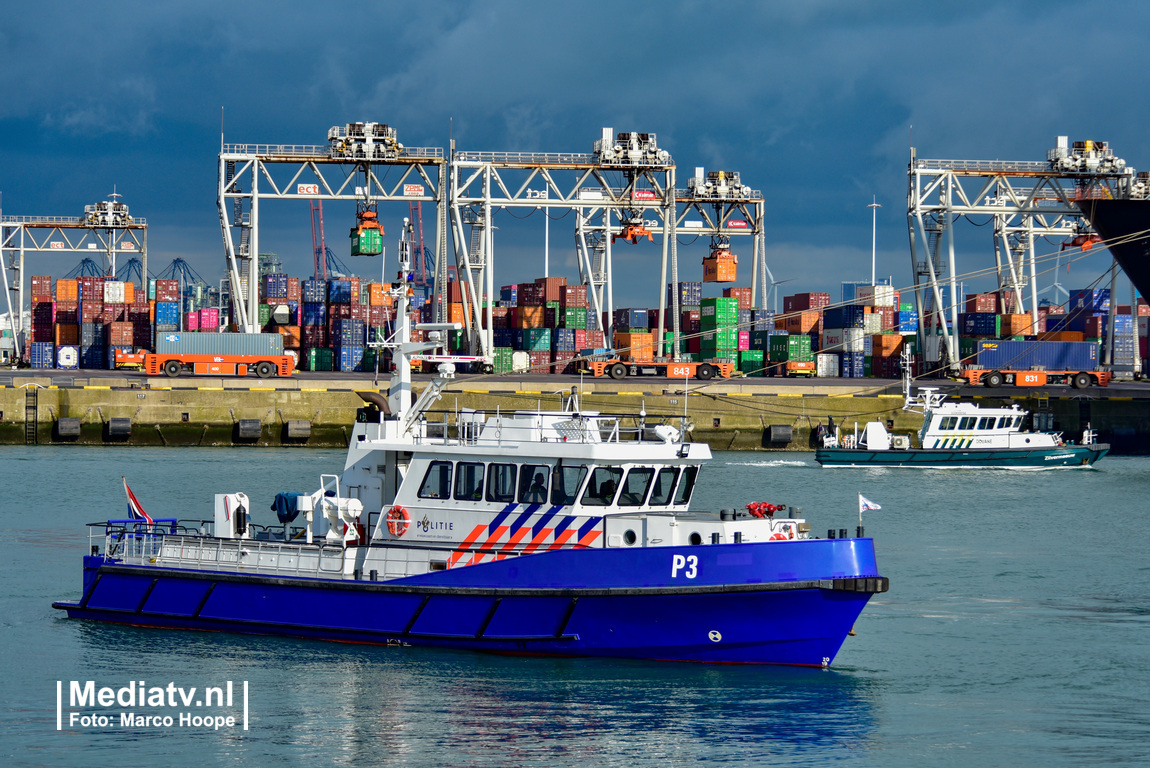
point(744, 603)
point(1003, 458)
point(1125, 226)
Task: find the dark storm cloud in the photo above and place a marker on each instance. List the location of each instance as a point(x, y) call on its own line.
point(812, 102)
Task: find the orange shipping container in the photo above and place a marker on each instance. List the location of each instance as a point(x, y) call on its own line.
point(1016, 325)
point(67, 290)
point(718, 269)
point(637, 347)
point(803, 322)
point(530, 317)
point(129, 292)
point(67, 334)
point(456, 313)
point(291, 334)
point(1063, 336)
point(379, 295)
point(886, 345)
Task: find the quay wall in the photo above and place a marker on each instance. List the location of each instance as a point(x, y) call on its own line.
point(728, 415)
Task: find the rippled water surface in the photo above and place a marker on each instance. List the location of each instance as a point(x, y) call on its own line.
point(1015, 633)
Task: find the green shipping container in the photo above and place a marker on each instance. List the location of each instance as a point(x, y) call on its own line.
point(751, 362)
point(868, 366)
point(719, 311)
point(503, 357)
point(317, 359)
point(265, 314)
point(792, 348)
point(368, 242)
point(575, 318)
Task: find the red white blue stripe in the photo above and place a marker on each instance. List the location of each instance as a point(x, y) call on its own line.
point(135, 509)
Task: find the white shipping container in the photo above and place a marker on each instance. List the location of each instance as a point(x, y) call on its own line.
point(872, 323)
point(875, 295)
point(520, 362)
point(826, 364)
point(844, 339)
point(113, 292)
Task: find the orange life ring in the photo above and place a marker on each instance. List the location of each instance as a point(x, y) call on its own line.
point(778, 537)
point(398, 520)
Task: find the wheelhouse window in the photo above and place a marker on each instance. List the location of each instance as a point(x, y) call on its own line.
point(635, 487)
point(501, 483)
point(947, 422)
point(602, 486)
point(1017, 422)
point(565, 482)
point(437, 481)
point(664, 487)
point(967, 422)
point(533, 484)
point(986, 422)
point(686, 485)
point(469, 481)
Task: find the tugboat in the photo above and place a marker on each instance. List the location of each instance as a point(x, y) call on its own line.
point(957, 435)
point(559, 533)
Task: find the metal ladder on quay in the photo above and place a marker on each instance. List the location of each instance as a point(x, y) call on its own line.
point(31, 408)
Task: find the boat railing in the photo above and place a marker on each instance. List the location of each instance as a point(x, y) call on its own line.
point(182, 546)
point(608, 429)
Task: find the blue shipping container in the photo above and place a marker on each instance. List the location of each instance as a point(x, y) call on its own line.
point(1090, 299)
point(349, 358)
point(314, 291)
point(1051, 355)
point(849, 316)
point(631, 319)
point(978, 324)
point(851, 365)
point(167, 313)
point(42, 354)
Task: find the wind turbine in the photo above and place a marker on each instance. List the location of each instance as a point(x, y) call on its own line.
point(774, 289)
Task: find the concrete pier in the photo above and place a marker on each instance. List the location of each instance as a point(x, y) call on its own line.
point(737, 414)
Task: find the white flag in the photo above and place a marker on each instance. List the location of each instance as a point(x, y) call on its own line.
point(865, 505)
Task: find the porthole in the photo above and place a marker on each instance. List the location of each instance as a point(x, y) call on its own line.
point(629, 538)
point(696, 539)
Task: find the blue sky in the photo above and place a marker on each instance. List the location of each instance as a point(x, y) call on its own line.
point(812, 101)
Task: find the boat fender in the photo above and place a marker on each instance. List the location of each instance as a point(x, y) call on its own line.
point(398, 520)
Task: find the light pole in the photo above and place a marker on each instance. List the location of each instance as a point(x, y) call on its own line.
point(874, 206)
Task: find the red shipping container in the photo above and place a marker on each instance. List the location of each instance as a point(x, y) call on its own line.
point(801, 302)
point(743, 294)
point(982, 302)
point(690, 321)
point(887, 314)
point(41, 288)
point(529, 295)
point(114, 313)
point(573, 296)
point(541, 362)
point(293, 289)
point(121, 334)
point(551, 288)
point(167, 290)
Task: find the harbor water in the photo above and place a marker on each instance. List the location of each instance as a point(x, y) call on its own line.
point(1014, 633)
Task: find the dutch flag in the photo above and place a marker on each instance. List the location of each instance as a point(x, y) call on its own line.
point(135, 511)
point(866, 505)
